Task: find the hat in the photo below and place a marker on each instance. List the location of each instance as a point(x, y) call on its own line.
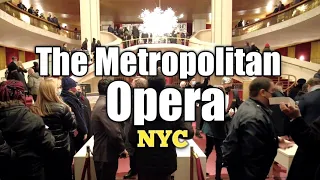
point(267, 45)
point(226, 80)
point(68, 83)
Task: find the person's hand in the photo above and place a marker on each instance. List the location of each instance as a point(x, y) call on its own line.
point(85, 137)
point(291, 111)
point(284, 144)
point(231, 112)
point(124, 154)
point(75, 133)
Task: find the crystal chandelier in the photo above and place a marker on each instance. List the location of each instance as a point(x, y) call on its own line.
point(159, 22)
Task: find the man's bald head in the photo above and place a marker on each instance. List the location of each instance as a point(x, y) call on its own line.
point(183, 84)
point(139, 82)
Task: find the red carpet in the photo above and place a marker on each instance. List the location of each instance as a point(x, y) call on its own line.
point(211, 165)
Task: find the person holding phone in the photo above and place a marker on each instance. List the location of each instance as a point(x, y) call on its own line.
point(306, 162)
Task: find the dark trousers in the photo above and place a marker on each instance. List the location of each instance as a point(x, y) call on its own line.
point(199, 121)
point(235, 172)
point(133, 164)
point(58, 166)
point(78, 142)
point(39, 176)
point(153, 177)
point(106, 170)
point(210, 143)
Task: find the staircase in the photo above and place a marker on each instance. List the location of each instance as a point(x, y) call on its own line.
point(288, 81)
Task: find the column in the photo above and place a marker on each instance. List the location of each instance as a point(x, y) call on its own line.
point(221, 27)
point(221, 22)
point(199, 24)
point(90, 20)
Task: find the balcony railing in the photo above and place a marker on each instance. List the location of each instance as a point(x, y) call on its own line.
point(33, 20)
point(279, 17)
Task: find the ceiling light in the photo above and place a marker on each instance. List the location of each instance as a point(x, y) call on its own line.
point(63, 24)
point(269, 6)
point(257, 11)
point(301, 58)
point(159, 22)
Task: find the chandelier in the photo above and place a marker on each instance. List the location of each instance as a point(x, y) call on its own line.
point(159, 22)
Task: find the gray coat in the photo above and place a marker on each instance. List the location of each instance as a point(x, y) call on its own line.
point(108, 137)
point(33, 83)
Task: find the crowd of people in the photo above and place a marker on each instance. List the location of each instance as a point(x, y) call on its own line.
point(136, 37)
point(38, 142)
point(253, 48)
point(278, 8)
point(40, 15)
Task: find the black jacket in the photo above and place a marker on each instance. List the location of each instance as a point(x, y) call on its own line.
point(306, 162)
point(6, 156)
point(219, 129)
point(309, 106)
point(157, 160)
point(78, 109)
point(87, 112)
point(252, 143)
point(60, 123)
point(25, 133)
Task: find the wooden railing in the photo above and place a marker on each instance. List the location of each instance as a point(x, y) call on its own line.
point(31, 19)
point(286, 14)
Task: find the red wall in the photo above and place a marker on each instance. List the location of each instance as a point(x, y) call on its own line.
point(283, 51)
point(30, 56)
point(10, 53)
point(303, 50)
point(208, 26)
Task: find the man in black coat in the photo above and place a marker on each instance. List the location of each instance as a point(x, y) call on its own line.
point(216, 130)
point(279, 119)
point(306, 162)
point(309, 109)
point(6, 156)
point(309, 104)
point(138, 82)
point(251, 145)
point(157, 163)
point(68, 95)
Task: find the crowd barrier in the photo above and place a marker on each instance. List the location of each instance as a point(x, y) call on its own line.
point(193, 156)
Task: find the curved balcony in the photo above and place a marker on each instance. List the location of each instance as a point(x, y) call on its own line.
point(24, 31)
point(276, 18)
point(296, 24)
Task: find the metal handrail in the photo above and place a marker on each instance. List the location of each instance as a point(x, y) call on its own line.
point(16, 12)
point(279, 17)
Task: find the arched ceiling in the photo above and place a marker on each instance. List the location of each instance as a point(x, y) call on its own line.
point(125, 11)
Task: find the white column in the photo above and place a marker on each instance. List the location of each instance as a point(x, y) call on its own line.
point(221, 22)
point(221, 27)
point(199, 24)
point(90, 20)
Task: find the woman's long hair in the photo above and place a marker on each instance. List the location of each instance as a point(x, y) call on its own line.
point(47, 94)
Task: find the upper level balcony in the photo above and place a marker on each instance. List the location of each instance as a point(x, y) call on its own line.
point(22, 30)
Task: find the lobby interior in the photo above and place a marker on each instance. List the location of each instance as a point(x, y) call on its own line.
point(293, 32)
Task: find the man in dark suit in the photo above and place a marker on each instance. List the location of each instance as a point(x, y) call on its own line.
point(309, 108)
point(108, 138)
point(309, 104)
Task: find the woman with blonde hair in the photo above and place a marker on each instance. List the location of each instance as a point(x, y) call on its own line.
point(59, 119)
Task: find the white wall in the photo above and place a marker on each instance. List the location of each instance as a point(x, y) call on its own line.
point(199, 24)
